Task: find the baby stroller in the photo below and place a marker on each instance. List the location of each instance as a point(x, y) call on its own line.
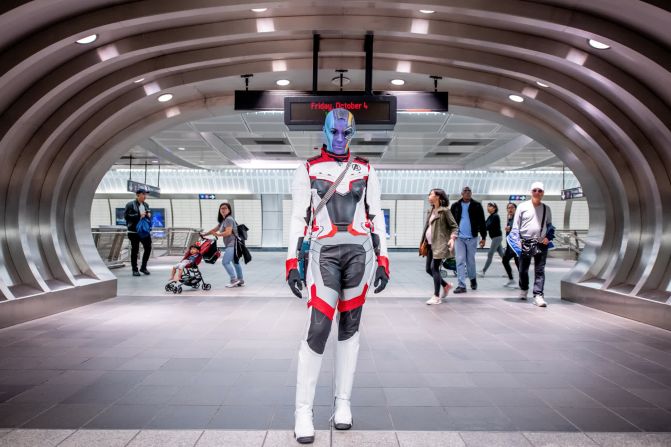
point(191, 276)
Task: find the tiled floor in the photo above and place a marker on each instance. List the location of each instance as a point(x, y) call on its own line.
point(226, 359)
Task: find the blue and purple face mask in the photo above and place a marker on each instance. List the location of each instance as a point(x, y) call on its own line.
point(339, 128)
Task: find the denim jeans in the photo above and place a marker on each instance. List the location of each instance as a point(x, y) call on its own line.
point(494, 248)
point(539, 270)
point(465, 253)
point(234, 270)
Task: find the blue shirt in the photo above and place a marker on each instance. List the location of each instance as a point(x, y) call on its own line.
point(465, 222)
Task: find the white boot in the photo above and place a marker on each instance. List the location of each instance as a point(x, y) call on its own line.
point(309, 364)
point(347, 353)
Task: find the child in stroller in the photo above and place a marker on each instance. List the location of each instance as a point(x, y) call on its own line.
point(187, 272)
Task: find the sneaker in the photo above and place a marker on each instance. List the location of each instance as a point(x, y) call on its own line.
point(539, 301)
point(481, 273)
point(510, 283)
point(145, 271)
point(446, 290)
point(241, 283)
point(474, 284)
point(136, 273)
point(460, 289)
point(523, 294)
point(434, 300)
point(233, 283)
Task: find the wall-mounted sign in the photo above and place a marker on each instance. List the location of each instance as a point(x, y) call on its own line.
point(305, 111)
point(133, 186)
point(572, 193)
point(517, 198)
point(207, 196)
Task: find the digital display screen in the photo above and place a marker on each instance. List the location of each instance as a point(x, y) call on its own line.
point(387, 222)
point(157, 217)
point(572, 193)
point(119, 212)
point(370, 111)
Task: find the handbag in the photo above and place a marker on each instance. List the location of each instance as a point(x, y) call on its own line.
point(304, 251)
point(530, 246)
point(424, 249)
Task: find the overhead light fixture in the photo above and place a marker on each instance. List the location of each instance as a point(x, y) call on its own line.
point(542, 84)
point(259, 9)
point(336, 80)
point(426, 11)
point(515, 98)
point(598, 45)
point(154, 161)
point(283, 82)
point(181, 149)
point(137, 81)
point(165, 97)
point(397, 81)
point(88, 39)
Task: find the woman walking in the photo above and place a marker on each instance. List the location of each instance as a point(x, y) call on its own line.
point(437, 242)
point(493, 227)
point(228, 229)
point(509, 253)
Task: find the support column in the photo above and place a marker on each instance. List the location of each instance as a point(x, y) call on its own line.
point(271, 209)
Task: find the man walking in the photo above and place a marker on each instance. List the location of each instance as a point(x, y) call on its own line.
point(471, 218)
point(135, 210)
point(532, 221)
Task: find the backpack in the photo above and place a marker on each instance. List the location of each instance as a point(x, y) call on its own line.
point(143, 228)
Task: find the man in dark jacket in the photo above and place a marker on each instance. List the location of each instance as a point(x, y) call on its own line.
point(471, 219)
point(135, 210)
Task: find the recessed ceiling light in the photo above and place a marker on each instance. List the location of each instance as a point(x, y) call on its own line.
point(515, 98)
point(259, 9)
point(336, 80)
point(397, 81)
point(426, 11)
point(542, 84)
point(154, 161)
point(283, 82)
point(181, 149)
point(88, 39)
point(165, 97)
point(137, 81)
point(598, 45)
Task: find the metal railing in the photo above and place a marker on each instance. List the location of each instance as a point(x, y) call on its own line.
point(114, 247)
point(571, 240)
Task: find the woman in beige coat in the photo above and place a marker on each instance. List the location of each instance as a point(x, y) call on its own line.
point(437, 242)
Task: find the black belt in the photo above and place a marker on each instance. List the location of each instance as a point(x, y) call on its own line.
point(342, 227)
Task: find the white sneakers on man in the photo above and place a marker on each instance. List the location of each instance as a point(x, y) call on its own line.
point(510, 283)
point(309, 364)
point(539, 301)
point(347, 353)
point(434, 300)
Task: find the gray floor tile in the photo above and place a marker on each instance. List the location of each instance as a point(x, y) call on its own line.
point(369, 397)
point(143, 364)
point(410, 397)
point(194, 365)
point(99, 394)
point(478, 418)
point(596, 419)
point(537, 418)
point(631, 439)
point(429, 439)
point(65, 416)
point(364, 438)
point(659, 397)
point(239, 417)
point(260, 396)
point(514, 397)
point(647, 419)
point(371, 418)
point(99, 438)
point(124, 417)
point(34, 438)
point(401, 380)
point(166, 438)
point(233, 438)
point(616, 397)
point(419, 418)
point(200, 395)
point(16, 414)
point(149, 395)
point(180, 417)
point(462, 397)
point(566, 397)
point(479, 439)
point(283, 417)
point(554, 439)
point(283, 438)
point(454, 380)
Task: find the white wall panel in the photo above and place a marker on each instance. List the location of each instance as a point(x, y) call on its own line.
point(208, 213)
point(248, 212)
point(100, 213)
point(579, 215)
point(286, 221)
point(186, 213)
point(409, 222)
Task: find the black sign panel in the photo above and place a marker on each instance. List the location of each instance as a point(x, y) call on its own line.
point(370, 112)
point(572, 193)
point(151, 190)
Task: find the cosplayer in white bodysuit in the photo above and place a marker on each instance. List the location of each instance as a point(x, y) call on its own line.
point(348, 252)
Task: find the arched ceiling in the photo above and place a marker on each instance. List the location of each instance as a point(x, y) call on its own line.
point(69, 110)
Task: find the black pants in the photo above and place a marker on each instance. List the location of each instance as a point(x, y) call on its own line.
point(507, 256)
point(320, 327)
point(135, 249)
point(433, 269)
point(539, 270)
